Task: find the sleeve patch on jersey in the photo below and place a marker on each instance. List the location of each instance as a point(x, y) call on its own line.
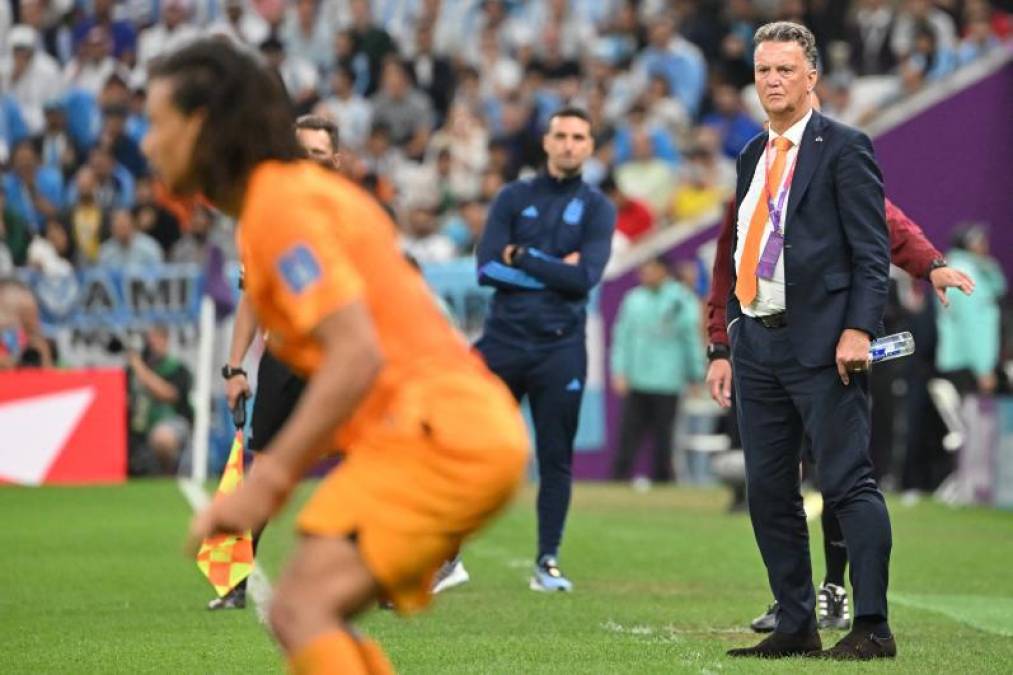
point(299, 268)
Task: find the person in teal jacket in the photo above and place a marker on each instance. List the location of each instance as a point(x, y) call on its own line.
point(968, 348)
point(657, 350)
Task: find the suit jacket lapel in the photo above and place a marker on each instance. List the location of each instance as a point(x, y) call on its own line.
point(750, 158)
point(808, 158)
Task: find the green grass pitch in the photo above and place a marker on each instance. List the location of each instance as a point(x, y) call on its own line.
point(92, 581)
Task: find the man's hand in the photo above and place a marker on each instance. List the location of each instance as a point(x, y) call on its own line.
point(947, 277)
point(719, 380)
point(620, 385)
point(258, 497)
point(236, 387)
point(572, 259)
point(987, 383)
point(508, 253)
point(852, 353)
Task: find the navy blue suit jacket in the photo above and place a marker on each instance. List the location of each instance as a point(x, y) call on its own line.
point(837, 246)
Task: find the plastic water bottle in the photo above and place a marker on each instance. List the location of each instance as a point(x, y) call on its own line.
point(895, 346)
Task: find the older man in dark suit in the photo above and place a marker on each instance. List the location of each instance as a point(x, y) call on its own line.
point(811, 261)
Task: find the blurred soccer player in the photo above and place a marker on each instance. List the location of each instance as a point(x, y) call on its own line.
point(278, 387)
point(435, 444)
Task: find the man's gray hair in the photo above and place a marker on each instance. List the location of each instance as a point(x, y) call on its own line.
point(788, 31)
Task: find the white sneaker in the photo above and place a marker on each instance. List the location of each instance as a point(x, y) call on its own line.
point(451, 574)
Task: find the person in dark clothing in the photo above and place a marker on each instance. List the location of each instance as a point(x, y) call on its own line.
point(911, 251)
point(545, 246)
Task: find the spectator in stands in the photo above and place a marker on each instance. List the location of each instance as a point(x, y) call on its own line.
point(347, 56)
point(115, 183)
point(657, 351)
point(115, 92)
point(906, 28)
point(499, 72)
point(371, 40)
point(730, 119)
point(122, 34)
point(137, 121)
point(124, 149)
point(928, 56)
point(572, 32)
point(14, 237)
point(633, 217)
point(735, 61)
point(160, 412)
point(835, 93)
point(173, 31)
point(379, 156)
point(662, 144)
point(154, 219)
point(432, 72)
point(704, 183)
point(33, 192)
point(93, 65)
point(20, 327)
point(240, 23)
point(646, 176)
point(306, 35)
point(405, 110)
point(493, 181)
point(969, 330)
point(30, 75)
point(677, 59)
point(979, 39)
point(87, 217)
point(663, 111)
point(53, 253)
point(197, 246)
point(352, 113)
point(467, 142)
point(58, 148)
point(55, 35)
point(299, 76)
point(870, 38)
point(422, 237)
point(466, 226)
point(126, 246)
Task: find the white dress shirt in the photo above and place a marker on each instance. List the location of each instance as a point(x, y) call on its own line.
point(770, 297)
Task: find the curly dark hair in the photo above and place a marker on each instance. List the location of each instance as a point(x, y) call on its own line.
point(248, 115)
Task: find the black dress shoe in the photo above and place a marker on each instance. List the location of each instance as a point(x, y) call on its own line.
point(861, 645)
point(782, 645)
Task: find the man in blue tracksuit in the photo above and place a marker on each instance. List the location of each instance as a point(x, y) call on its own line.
point(544, 248)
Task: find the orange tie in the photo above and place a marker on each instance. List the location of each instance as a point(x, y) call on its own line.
point(745, 282)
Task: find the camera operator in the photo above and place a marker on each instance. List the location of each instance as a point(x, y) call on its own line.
point(160, 413)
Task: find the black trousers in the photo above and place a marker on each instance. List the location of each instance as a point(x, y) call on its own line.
point(552, 377)
point(653, 415)
point(278, 390)
point(780, 400)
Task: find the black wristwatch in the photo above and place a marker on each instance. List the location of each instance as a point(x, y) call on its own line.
point(517, 252)
point(228, 372)
point(717, 350)
point(937, 263)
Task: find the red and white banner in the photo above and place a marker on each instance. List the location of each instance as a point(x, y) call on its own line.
point(66, 427)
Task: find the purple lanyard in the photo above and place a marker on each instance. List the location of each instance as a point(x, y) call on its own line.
point(776, 212)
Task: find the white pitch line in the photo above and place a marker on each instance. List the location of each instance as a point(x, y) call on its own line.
point(258, 587)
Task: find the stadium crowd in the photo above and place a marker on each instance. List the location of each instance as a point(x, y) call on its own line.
point(439, 104)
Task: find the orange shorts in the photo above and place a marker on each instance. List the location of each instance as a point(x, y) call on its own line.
point(448, 458)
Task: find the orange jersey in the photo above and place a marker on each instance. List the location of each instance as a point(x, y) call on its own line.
point(312, 242)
